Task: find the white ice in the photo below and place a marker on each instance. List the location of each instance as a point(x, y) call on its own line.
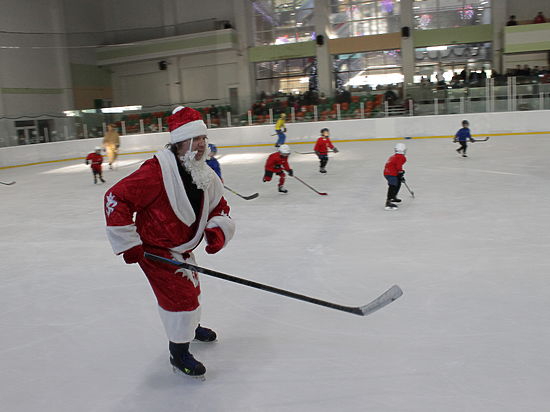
point(80, 330)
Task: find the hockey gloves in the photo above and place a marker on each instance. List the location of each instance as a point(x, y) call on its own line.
point(335, 150)
point(401, 176)
point(215, 239)
point(134, 255)
point(290, 172)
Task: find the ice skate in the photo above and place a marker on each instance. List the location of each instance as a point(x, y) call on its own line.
point(390, 206)
point(102, 180)
point(464, 155)
point(189, 366)
point(322, 170)
point(396, 200)
point(282, 189)
point(95, 180)
point(204, 334)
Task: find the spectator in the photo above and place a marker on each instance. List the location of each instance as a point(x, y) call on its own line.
point(512, 21)
point(539, 18)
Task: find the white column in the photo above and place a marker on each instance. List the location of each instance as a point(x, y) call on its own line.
point(324, 59)
point(244, 20)
point(499, 17)
point(407, 44)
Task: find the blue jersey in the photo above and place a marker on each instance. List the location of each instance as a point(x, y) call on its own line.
point(215, 165)
point(463, 134)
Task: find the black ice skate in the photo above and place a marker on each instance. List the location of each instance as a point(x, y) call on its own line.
point(464, 155)
point(282, 189)
point(396, 200)
point(102, 180)
point(390, 206)
point(204, 334)
point(322, 170)
point(188, 365)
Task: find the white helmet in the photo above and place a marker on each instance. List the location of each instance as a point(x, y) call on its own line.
point(98, 149)
point(400, 148)
point(284, 149)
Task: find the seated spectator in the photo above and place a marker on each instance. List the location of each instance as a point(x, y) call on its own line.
point(539, 18)
point(512, 21)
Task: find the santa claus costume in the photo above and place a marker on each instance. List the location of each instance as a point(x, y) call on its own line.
point(177, 200)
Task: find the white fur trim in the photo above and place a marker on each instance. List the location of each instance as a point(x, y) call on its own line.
point(180, 326)
point(226, 224)
point(188, 131)
point(123, 238)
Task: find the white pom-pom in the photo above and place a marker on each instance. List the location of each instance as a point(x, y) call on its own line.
point(177, 109)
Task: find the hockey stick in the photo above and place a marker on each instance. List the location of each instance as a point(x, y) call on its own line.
point(481, 140)
point(384, 299)
point(408, 188)
point(8, 183)
point(330, 151)
point(315, 190)
point(253, 196)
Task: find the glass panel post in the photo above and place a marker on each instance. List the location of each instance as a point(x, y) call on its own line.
point(123, 125)
point(386, 111)
point(228, 119)
point(141, 126)
point(338, 111)
point(159, 123)
point(85, 131)
point(461, 104)
point(362, 108)
point(271, 116)
point(315, 113)
point(250, 117)
point(541, 101)
point(208, 120)
point(293, 114)
point(436, 106)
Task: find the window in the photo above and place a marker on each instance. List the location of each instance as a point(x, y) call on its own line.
point(369, 68)
point(351, 18)
point(435, 14)
point(283, 21)
point(286, 76)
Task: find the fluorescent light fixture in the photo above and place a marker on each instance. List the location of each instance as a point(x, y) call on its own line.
point(434, 48)
point(119, 109)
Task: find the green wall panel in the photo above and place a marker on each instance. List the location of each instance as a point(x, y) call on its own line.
point(441, 37)
point(282, 51)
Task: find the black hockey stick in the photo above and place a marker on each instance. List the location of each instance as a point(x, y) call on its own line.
point(384, 299)
point(312, 188)
point(409, 189)
point(481, 140)
point(8, 183)
point(252, 196)
point(330, 151)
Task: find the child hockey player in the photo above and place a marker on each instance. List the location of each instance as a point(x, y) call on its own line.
point(321, 149)
point(394, 174)
point(462, 136)
point(278, 163)
point(212, 161)
point(280, 130)
point(96, 160)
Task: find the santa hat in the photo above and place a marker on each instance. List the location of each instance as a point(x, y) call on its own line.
point(185, 123)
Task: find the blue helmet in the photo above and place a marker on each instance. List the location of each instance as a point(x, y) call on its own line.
point(213, 148)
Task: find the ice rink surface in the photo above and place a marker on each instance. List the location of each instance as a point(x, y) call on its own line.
point(80, 329)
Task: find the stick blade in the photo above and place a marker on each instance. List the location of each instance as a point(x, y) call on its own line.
point(323, 194)
point(384, 299)
point(8, 183)
point(253, 196)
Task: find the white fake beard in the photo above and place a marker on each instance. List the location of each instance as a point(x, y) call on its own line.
point(199, 170)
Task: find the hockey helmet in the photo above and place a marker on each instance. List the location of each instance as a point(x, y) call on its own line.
point(284, 149)
point(400, 148)
point(465, 123)
point(98, 149)
point(324, 129)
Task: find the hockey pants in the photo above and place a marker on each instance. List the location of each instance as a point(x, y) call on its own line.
point(269, 174)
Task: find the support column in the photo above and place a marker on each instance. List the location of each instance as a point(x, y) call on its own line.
point(321, 22)
point(243, 24)
point(407, 43)
point(498, 20)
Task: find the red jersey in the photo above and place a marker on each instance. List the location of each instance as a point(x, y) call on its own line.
point(276, 162)
point(394, 165)
point(96, 159)
point(322, 145)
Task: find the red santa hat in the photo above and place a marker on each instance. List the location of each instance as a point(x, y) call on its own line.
point(185, 123)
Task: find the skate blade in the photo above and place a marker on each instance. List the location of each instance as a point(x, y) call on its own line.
point(390, 208)
point(176, 371)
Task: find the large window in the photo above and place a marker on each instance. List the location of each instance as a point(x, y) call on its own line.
point(439, 14)
point(442, 62)
point(351, 18)
point(286, 76)
point(283, 21)
point(369, 68)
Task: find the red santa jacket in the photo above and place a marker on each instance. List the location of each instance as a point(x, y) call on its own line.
point(164, 216)
point(96, 159)
point(394, 165)
point(322, 145)
point(276, 163)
